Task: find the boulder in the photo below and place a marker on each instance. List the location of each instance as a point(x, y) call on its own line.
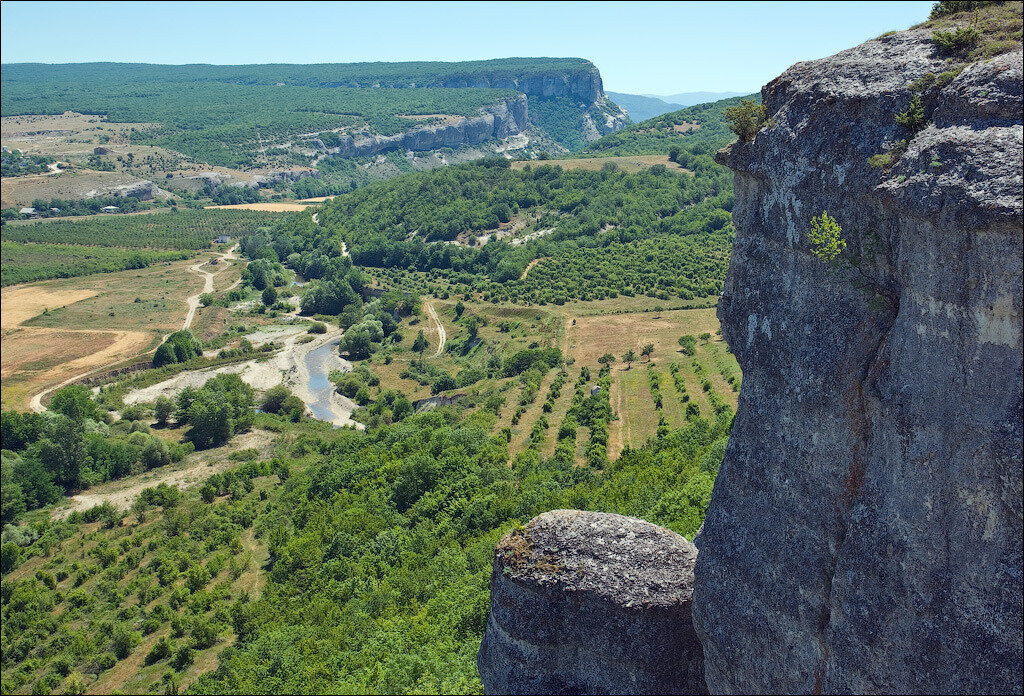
point(588, 602)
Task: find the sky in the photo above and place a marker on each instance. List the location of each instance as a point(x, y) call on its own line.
point(640, 47)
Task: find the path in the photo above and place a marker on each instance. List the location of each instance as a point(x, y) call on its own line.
point(442, 334)
point(193, 301)
point(529, 267)
point(36, 403)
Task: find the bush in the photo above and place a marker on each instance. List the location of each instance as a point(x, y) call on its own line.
point(746, 119)
point(161, 650)
point(913, 118)
point(956, 40)
point(318, 327)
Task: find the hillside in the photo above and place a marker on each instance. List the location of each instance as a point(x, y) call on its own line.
point(864, 531)
point(641, 108)
point(699, 129)
point(271, 115)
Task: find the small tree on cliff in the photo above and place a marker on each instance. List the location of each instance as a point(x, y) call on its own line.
point(746, 119)
point(829, 246)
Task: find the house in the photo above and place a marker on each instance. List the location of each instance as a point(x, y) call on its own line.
point(29, 212)
point(595, 390)
point(223, 239)
point(54, 210)
point(110, 209)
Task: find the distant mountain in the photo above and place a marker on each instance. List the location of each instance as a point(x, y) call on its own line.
point(641, 108)
point(691, 98)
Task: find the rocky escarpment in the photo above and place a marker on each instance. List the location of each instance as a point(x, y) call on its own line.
point(583, 84)
point(504, 119)
point(864, 534)
point(587, 602)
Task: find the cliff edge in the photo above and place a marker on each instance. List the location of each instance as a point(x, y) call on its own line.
point(865, 530)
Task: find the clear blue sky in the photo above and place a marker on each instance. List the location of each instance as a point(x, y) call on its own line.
point(640, 47)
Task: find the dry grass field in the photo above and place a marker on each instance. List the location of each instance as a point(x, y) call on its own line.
point(89, 322)
point(265, 207)
point(631, 164)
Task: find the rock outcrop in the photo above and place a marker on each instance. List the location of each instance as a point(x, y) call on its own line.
point(504, 119)
point(583, 84)
point(865, 531)
point(587, 602)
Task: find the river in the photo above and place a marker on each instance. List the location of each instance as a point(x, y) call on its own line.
point(319, 385)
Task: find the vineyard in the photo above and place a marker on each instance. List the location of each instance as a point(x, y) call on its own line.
point(185, 229)
point(25, 263)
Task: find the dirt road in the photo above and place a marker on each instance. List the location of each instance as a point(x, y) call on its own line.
point(36, 403)
point(195, 469)
point(442, 335)
point(193, 301)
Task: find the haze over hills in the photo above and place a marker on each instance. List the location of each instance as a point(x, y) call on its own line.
point(692, 98)
point(641, 108)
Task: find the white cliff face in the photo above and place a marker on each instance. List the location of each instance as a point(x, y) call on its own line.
point(865, 530)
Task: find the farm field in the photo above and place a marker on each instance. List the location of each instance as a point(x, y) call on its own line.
point(630, 164)
point(27, 263)
point(583, 338)
point(55, 329)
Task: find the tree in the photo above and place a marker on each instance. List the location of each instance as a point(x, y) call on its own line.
point(420, 344)
point(472, 326)
point(459, 309)
point(362, 339)
point(746, 119)
point(647, 351)
point(163, 409)
point(269, 296)
point(274, 398)
point(826, 238)
point(155, 454)
point(606, 359)
point(629, 357)
point(689, 344)
point(75, 402)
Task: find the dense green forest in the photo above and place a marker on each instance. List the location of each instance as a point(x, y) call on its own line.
point(223, 123)
point(408, 74)
point(184, 229)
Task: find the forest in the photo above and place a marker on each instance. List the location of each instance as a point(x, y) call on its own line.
point(376, 551)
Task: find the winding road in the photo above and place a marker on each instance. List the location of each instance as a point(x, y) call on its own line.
point(441, 333)
point(36, 403)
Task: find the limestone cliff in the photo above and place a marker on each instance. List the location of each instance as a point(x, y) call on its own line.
point(504, 119)
point(864, 534)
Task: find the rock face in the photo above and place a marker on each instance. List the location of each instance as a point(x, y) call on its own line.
point(585, 85)
point(864, 534)
point(502, 120)
point(587, 602)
